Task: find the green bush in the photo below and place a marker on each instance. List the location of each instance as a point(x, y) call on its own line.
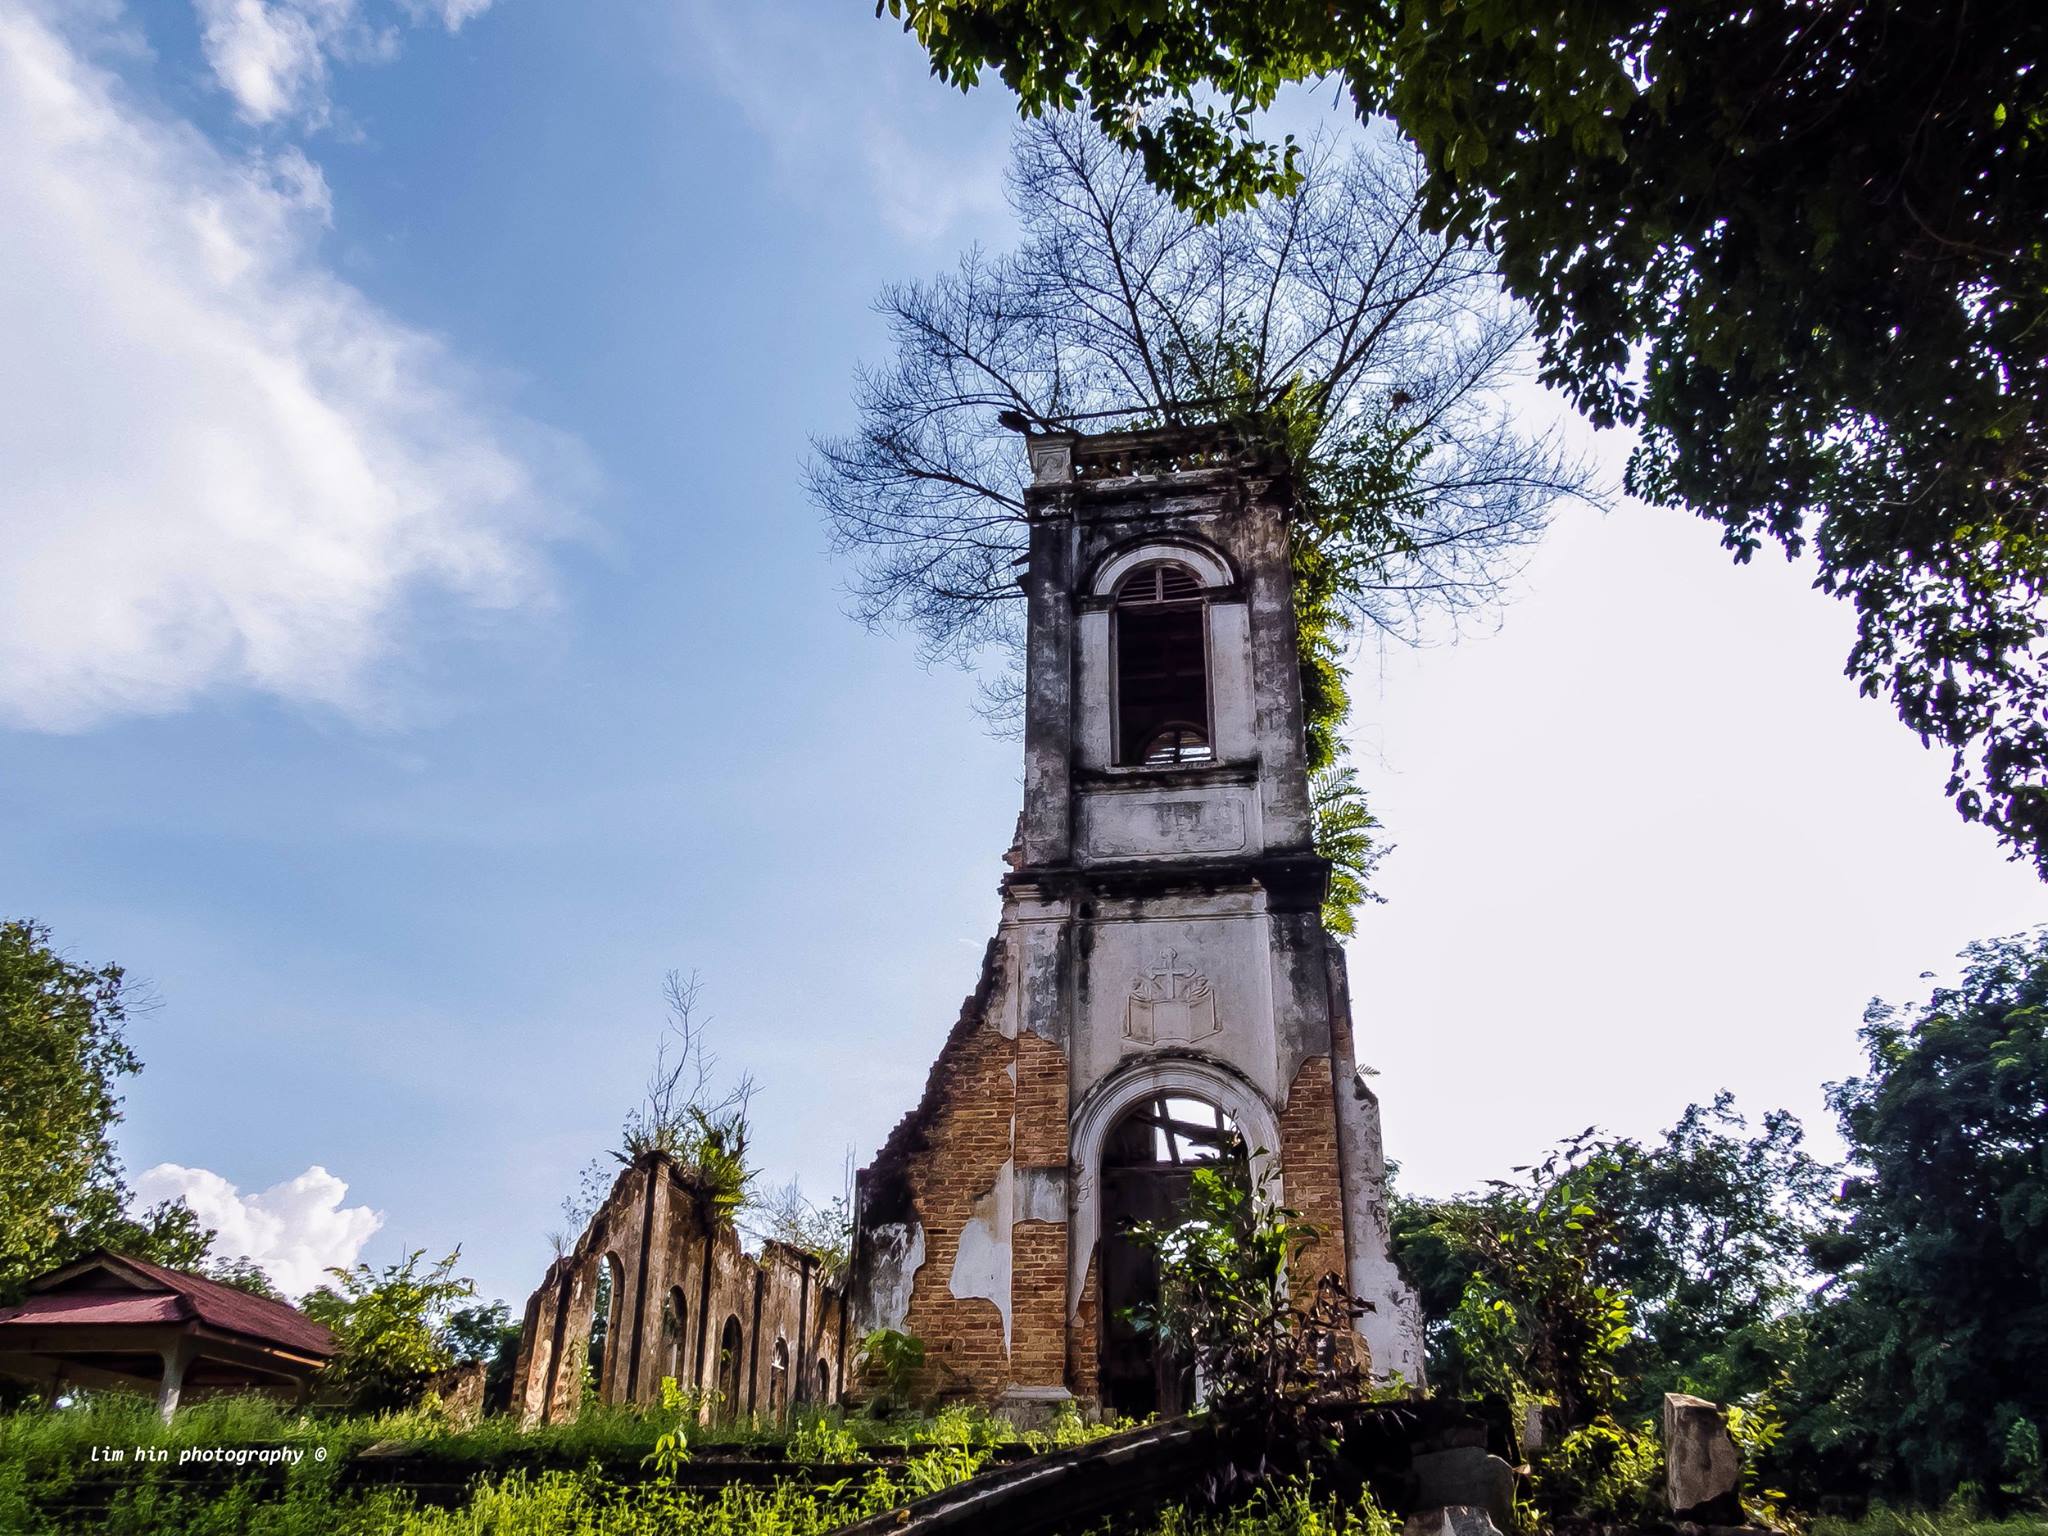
point(1599, 1471)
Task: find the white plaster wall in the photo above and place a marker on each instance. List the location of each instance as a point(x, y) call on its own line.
point(1168, 823)
point(1094, 741)
point(1393, 1328)
point(981, 1266)
point(1230, 683)
point(895, 1253)
point(1229, 951)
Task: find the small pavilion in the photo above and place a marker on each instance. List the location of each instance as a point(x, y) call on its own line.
point(112, 1321)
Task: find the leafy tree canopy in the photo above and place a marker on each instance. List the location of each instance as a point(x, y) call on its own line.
point(1800, 246)
point(1696, 1242)
point(1944, 1260)
point(63, 1054)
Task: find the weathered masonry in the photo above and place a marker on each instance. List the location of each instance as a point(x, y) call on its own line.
point(1161, 978)
point(653, 1289)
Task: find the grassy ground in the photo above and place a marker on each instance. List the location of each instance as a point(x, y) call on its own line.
point(1956, 1520)
point(245, 1465)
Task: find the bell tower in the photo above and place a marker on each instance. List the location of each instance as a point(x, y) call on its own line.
point(1161, 977)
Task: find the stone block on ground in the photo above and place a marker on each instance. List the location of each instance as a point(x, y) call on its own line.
point(1467, 1477)
point(1450, 1520)
point(1702, 1465)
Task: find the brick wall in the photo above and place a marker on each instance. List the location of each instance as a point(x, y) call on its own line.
point(966, 1142)
point(1309, 1175)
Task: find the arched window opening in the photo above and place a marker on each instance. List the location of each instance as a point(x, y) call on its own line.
point(731, 1364)
point(1148, 1165)
point(824, 1380)
point(1170, 1130)
point(675, 1334)
point(778, 1380)
point(1162, 668)
point(604, 1310)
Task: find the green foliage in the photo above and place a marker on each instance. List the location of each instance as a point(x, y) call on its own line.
point(1802, 251)
point(45, 1466)
point(396, 1327)
point(1958, 1518)
point(896, 1358)
point(1701, 1233)
point(1938, 1315)
point(1599, 1471)
point(1535, 1321)
point(1272, 1368)
point(821, 1437)
point(1710, 1226)
point(1344, 835)
point(63, 1054)
point(1285, 1507)
point(245, 1275)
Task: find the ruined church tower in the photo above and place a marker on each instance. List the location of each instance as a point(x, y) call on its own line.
point(1161, 979)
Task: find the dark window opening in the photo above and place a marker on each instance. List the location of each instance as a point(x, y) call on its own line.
point(731, 1368)
point(675, 1327)
point(778, 1379)
point(1162, 668)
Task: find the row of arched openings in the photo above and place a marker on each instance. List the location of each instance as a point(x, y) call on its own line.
point(730, 1374)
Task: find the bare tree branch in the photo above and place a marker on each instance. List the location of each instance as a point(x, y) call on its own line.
point(1118, 307)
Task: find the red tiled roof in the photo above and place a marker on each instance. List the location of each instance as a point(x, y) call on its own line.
point(95, 1307)
point(160, 1295)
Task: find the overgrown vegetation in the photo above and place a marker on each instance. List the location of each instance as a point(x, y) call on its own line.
point(1875, 1332)
point(1272, 1365)
point(603, 1474)
point(1798, 246)
point(397, 1327)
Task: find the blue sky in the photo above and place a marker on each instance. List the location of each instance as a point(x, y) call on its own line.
point(414, 640)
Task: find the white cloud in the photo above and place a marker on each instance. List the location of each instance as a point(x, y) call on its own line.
point(296, 1230)
point(845, 100)
point(226, 468)
point(272, 56)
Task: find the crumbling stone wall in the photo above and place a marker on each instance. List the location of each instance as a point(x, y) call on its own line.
point(1308, 1160)
point(678, 1280)
point(945, 1252)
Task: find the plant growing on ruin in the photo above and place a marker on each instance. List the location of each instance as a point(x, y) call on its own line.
point(1227, 1296)
point(686, 1117)
point(1327, 327)
point(789, 1217)
point(1344, 834)
point(896, 1358)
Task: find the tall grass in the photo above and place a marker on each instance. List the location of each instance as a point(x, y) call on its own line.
point(1958, 1518)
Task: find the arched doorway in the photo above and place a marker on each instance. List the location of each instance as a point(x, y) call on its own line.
point(604, 1316)
point(1148, 1163)
point(675, 1332)
point(731, 1364)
